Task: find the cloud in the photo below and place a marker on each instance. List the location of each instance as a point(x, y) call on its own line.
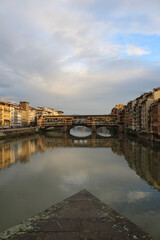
point(68, 52)
point(136, 196)
point(136, 51)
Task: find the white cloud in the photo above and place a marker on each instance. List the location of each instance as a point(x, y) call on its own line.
point(67, 50)
point(137, 195)
point(135, 51)
point(75, 68)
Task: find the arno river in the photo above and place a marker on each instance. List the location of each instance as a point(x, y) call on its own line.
point(41, 170)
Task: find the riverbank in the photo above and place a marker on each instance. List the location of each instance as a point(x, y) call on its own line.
point(25, 132)
point(17, 133)
point(81, 216)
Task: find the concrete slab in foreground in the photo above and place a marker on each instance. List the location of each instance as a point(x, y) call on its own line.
point(79, 217)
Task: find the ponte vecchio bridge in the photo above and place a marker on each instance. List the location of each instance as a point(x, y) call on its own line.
point(66, 122)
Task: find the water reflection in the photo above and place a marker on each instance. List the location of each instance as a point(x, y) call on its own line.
point(104, 132)
point(58, 165)
point(142, 158)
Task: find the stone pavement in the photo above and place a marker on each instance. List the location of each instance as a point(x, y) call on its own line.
point(79, 217)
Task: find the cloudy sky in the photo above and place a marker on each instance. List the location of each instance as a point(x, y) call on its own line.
point(79, 56)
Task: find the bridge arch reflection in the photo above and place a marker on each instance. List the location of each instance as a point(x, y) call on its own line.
point(68, 138)
point(104, 132)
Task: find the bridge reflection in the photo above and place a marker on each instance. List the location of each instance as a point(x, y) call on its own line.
point(60, 139)
point(142, 158)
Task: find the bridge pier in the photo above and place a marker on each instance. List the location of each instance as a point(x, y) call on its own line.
point(65, 128)
point(94, 129)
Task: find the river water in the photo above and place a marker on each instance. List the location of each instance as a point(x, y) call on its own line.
point(41, 170)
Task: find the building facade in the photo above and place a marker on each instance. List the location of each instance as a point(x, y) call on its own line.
point(141, 115)
point(5, 114)
point(16, 116)
point(32, 116)
point(43, 111)
point(25, 119)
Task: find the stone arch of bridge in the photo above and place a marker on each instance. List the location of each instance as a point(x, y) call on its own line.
point(93, 128)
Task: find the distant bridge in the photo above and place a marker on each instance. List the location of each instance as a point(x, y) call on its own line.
point(66, 122)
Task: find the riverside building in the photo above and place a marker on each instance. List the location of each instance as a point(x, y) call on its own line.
point(141, 115)
point(5, 114)
point(16, 115)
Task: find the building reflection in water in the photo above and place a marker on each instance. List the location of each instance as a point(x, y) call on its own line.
point(143, 158)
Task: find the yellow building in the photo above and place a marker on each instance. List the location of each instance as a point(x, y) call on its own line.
point(24, 118)
point(5, 114)
point(116, 108)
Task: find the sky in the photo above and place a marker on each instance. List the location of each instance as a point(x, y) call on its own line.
point(79, 56)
